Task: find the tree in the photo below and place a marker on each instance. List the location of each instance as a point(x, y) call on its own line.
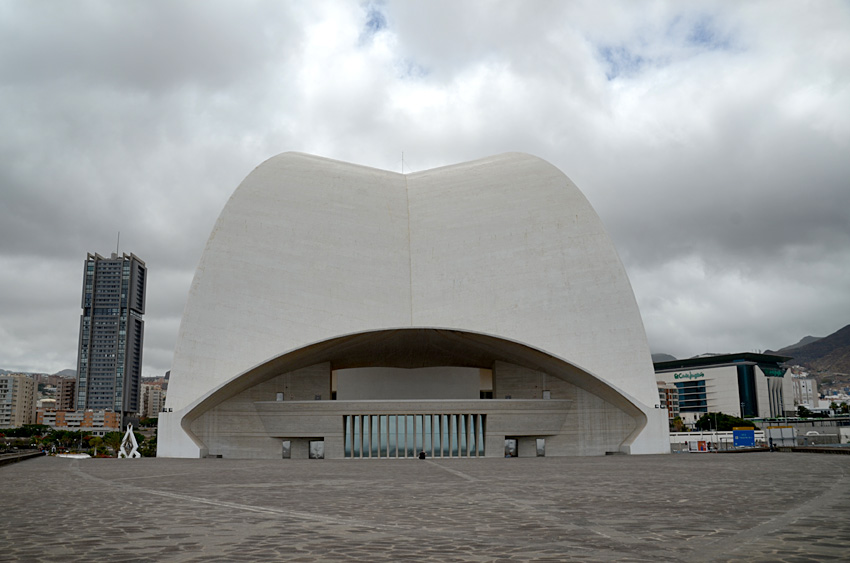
point(677, 425)
point(113, 441)
point(724, 422)
point(149, 448)
point(96, 442)
point(27, 430)
point(803, 412)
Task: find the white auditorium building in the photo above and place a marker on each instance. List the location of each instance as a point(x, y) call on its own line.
point(342, 311)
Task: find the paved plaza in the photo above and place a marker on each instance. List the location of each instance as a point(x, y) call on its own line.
point(681, 507)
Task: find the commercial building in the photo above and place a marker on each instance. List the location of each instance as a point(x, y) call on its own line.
point(348, 312)
point(18, 399)
point(806, 392)
point(92, 422)
point(741, 385)
point(109, 361)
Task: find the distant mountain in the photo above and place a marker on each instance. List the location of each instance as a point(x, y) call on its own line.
point(663, 358)
point(830, 353)
point(63, 373)
point(801, 343)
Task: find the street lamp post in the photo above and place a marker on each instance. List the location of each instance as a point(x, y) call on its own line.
point(716, 430)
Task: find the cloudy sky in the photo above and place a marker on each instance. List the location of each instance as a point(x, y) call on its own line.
point(713, 138)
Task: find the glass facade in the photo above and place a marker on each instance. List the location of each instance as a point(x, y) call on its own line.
point(109, 360)
point(747, 390)
point(692, 396)
point(405, 435)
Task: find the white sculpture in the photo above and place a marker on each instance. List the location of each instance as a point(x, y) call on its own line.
point(129, 443)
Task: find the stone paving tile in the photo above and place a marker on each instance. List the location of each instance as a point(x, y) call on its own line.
point(697, 507)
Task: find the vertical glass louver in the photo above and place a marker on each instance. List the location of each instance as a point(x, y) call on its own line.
point(406, 435)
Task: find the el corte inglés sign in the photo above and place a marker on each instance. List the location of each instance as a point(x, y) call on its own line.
point(695, 375)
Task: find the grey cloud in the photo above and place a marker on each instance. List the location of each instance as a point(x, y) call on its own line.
point(151, 46)
point(711, 139)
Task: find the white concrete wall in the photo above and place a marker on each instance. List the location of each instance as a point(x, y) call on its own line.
point(305, 249)
point(381, 383)
point(522, 383)
point(724, 384)
point(762, 395)
point(308, 249)
point(509, 246)
point(788, 392)
point(234, 428)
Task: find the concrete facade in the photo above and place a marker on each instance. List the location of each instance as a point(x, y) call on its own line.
point(805, 391)
point(317, 267)
point(67, 395)
point(152, 401)
point(668, 398)
point(18, 399)
point(442, 382)
point(92, 422)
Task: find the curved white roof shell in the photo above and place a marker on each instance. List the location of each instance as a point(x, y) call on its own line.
point(308, 249)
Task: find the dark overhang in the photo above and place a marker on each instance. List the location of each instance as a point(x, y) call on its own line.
point(721, 359)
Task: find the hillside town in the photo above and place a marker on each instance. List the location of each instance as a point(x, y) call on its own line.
point(38, 411)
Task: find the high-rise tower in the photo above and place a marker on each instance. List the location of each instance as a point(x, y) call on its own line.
point(109, 360)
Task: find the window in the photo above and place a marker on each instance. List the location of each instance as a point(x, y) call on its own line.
point(541, 447)
point(317, 449)
point(692, 396)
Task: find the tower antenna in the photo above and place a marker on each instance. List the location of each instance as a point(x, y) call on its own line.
point(117, 244)
point(402, 162)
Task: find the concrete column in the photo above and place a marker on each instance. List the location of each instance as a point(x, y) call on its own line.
point(494, 445)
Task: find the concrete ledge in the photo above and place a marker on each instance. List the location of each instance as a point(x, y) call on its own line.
point(7, 459)
point(815, 450)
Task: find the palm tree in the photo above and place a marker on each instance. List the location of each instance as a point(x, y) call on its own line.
point(96, 442)
point(113, 440)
